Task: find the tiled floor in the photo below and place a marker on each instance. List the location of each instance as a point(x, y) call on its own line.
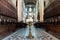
point(39, 34)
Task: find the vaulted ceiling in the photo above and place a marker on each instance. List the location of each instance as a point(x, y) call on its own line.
point(30, 2)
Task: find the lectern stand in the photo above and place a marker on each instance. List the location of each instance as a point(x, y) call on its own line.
point(30, 34)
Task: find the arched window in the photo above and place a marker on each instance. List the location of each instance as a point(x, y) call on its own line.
point(30, 9)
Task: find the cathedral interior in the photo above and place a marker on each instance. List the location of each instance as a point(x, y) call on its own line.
point(29, 19)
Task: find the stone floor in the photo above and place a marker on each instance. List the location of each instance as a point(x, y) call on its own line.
point(39, 34)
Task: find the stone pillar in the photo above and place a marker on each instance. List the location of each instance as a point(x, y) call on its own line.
point(41, 10)
point(46, 2)
point(19, 10)
point(36, 11)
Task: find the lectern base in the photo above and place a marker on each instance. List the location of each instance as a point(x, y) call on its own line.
point(30, 34)
point(30, 37)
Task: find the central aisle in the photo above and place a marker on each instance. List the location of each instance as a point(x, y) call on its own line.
point(39, 34)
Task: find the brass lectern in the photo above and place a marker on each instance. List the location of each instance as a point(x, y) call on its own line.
point(29, 21)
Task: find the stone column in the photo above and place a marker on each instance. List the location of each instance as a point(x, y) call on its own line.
point(46, 2)
point(36, 11)
point(19, 10)
point(41, 10)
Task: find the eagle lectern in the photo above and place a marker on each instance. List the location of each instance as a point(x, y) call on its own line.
point(29, 21)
